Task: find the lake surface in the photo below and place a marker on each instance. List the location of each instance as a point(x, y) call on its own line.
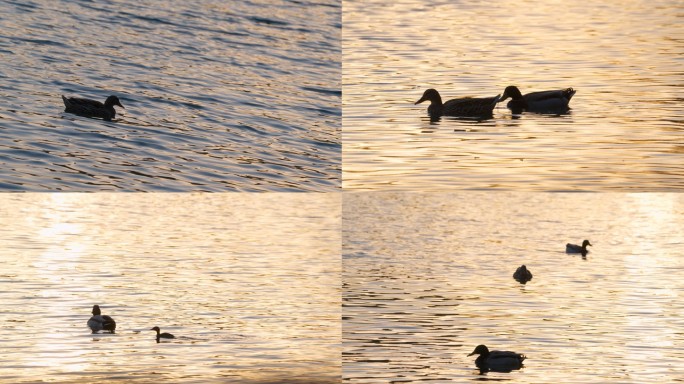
point(427, 277)
point(249, 284)
point(623, 132)
point(218, 96)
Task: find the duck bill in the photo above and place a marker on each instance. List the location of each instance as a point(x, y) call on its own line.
point(420, 101)
point(119, 104)
point(471, 354)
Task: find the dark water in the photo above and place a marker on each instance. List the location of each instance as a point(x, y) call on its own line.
point(218, 96)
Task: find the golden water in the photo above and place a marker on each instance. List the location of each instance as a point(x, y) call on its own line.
point(249, 284)
point(427, 277)
point(624, 130)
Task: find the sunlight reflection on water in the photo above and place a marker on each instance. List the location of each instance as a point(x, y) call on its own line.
point(249, 284)
point(623, 132)
point(428, 277)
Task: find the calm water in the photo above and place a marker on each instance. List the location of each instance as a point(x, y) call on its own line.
point(624, 132)
point(249, 283)
point(218, 96)
point(427, 277)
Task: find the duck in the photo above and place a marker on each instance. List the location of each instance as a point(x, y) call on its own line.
point(574, 248)
point(544, 101)
point(99, 322)
point(499, 361)
point(463, 107)
point(92, 108)
point(162, 335)
point(522, 274)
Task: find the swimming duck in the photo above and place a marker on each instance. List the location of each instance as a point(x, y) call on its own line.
point(522, 274)
point(500, 361)
point(545, 101)
point(100, 322)
point(574, 248)
point(463, 107)
point(92, 108)
point(162, 335)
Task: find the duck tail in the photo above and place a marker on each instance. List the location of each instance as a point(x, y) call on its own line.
point(569, 93)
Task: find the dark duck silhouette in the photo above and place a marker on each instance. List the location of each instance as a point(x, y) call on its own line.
point(522, 274)
point(162, 335)
point(92, 108)
point(463, 107)
point(541, 102)
point(574, 248)
point(99, 322)
point(498, 361)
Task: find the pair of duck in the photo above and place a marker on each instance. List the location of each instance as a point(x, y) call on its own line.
point(99, 322)
point(542, 102)
point(523, 275)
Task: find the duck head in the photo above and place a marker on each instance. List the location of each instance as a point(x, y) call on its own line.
point(96, 310)
point(432, 95)
point(511, 91)
point(155, 329)
point(112, 101)
point(585, 243)
point(480, 350)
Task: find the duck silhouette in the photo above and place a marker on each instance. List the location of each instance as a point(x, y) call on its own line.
point(555, 101)
point(92, 108)
point(574, 248)
point(498, 361)
point(522, 274)
point(163, 335)
point(462, 107)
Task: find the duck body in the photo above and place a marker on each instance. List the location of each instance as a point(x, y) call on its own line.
point(99, 322)
point(522, 274)
point(499, 361)
point(574, 248)
point(92, 108)
point(463, 107)
point(541, 102)
point(163, 335)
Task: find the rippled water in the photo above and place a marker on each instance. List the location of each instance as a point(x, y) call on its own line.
point(249, 283)
point(427, 277)
point(218, 96)
point(624, 130)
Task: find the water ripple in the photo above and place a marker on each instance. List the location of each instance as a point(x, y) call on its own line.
point(622, 133)
point(202, 92)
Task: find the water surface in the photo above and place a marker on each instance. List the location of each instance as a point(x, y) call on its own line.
point(218, 96)
point(427, 277)
point(249, 284)
point(623, 132)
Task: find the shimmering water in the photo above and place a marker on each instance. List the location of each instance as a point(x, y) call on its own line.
point(427, 277)
point(624, 130)
point(249, 283)
point(218, 96)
